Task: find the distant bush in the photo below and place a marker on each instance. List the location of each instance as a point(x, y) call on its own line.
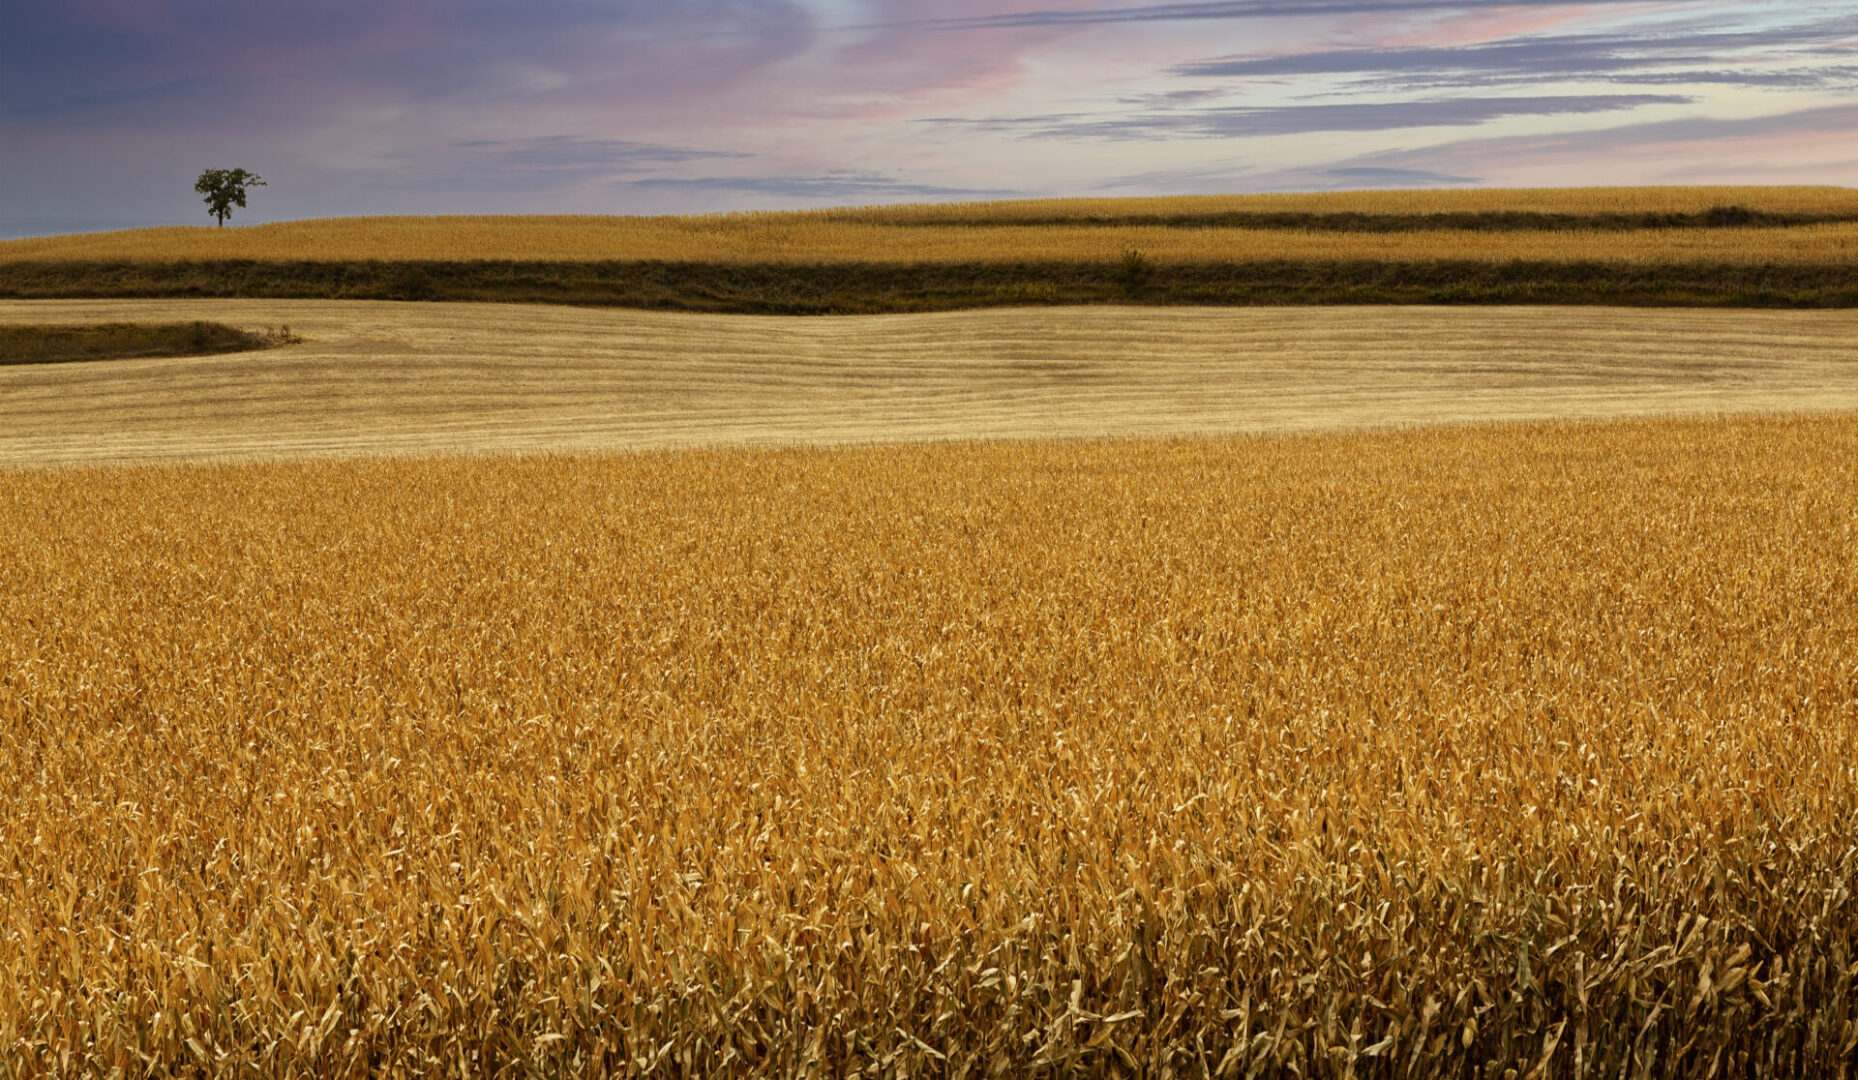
point(1135, 271)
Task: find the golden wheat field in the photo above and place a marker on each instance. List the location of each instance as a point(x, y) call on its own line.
point(897, 235)
point(733, 240)
point(1452, 751)
point(374, 378)
point(1561, 200)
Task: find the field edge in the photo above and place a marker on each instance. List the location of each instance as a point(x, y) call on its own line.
point(901, 287)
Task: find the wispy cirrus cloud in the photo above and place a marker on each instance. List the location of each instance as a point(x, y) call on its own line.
point(1228, 122)
point(832, 186)
point(1688, 150)
point(575, 152)
point(1223, 10)
point(1769, 56)
point(541, 164)
point(1219, 179)
point(1369, 176)
point(1761, 149)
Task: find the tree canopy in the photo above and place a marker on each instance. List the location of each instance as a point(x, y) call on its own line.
point(224, 189)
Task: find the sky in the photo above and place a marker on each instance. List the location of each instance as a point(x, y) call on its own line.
point(110, 108)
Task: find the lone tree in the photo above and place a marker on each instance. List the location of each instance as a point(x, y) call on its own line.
point(225, 189)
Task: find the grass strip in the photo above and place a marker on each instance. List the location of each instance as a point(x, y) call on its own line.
point(843, 288)
point(127, 341)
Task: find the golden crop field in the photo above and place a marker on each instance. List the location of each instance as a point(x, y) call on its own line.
point(1563, 200)
point(745, 240)
point(898, 235)
point(1454, 751)
point(374, 378)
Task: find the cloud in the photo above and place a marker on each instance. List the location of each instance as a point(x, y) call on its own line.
point(1837, 77)
point(1242, 122)
point(466, 106)
point(96, 62)
point(1645, 57)
point(829, 187)
point(576, 153)
point(1230, 9)
point(1169, 99)
point(1366, 176)
point(535, 164)
point(1833, 120)
point(1801, 146)
point(1232, 177)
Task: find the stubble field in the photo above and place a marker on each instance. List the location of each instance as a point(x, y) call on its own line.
point(1439, 751)
point(423, 378)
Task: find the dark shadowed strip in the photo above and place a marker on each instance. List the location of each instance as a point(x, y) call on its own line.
point(847, 289)
point(71, 344)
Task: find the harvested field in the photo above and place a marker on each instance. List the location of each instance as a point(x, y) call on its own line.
point(407, 378)
point(1463, 751)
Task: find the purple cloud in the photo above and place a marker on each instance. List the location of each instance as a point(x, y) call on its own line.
point(1241, 122)
point(1221, 10)
point(108, 108)
point(83, 61)
point(838, 187)
point(1692, 150)
point(1734, 57)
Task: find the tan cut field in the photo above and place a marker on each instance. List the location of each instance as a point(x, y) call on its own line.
point(374, 378)
point(1508, 750)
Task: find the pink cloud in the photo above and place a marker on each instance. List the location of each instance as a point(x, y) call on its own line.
point(1807, 146)
point(1478, 27)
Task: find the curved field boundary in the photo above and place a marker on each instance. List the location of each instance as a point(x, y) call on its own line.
point(376, 378)
point(883, 288)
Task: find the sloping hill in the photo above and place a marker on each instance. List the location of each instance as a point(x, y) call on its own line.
point(409, 378)
point(1666, 247)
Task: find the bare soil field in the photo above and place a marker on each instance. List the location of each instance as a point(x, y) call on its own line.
point(382, 378)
